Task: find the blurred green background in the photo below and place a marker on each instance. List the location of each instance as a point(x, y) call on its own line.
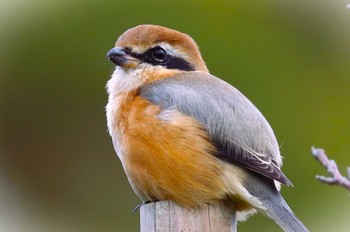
point(58, 169)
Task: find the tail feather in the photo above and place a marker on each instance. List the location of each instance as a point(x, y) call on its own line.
point(275, 206)
point(280, 212)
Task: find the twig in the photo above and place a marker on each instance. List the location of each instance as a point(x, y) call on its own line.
point(336, 177)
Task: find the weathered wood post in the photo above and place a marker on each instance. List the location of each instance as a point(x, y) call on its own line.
point(166, 216)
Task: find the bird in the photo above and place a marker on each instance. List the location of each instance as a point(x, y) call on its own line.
point(185, 135)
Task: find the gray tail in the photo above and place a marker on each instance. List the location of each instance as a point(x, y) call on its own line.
point(276, 207)
point(280, 212)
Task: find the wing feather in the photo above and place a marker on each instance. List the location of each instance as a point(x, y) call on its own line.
point(235, 126)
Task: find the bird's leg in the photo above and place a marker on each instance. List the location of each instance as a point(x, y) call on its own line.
point(139, 206)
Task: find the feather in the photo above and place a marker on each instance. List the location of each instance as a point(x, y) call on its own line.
point(237, 129)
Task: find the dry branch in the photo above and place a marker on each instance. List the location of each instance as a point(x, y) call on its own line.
point(336, 178)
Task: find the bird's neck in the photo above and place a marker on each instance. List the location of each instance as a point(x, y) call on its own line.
point(123, 81)
point(124, 85)
point(126, 80)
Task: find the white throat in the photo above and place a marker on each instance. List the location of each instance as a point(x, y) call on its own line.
point(123, 81)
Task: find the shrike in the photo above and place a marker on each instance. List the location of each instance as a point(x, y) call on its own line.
point(185, 135)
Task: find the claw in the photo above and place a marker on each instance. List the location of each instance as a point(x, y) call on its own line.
point(139, 206)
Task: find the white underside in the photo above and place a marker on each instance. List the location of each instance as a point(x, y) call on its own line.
point(121, 82)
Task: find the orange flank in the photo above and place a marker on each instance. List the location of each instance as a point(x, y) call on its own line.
point(167, 155)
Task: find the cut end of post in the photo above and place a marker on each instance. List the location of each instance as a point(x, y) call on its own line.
point(167, 216)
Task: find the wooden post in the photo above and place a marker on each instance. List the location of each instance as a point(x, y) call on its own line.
point(166, 216)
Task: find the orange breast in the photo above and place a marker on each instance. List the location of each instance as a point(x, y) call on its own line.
point(167, 155)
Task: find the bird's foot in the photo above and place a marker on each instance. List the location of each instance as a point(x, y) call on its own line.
point(139, 206)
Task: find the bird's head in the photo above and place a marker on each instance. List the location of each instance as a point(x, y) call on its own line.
point(148, 46)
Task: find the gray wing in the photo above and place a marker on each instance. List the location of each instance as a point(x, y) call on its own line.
point(235, 126)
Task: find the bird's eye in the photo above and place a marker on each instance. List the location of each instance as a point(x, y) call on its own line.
point(159, 54)
point(127, 49)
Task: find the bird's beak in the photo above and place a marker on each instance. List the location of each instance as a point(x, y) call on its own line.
point(119, 57)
